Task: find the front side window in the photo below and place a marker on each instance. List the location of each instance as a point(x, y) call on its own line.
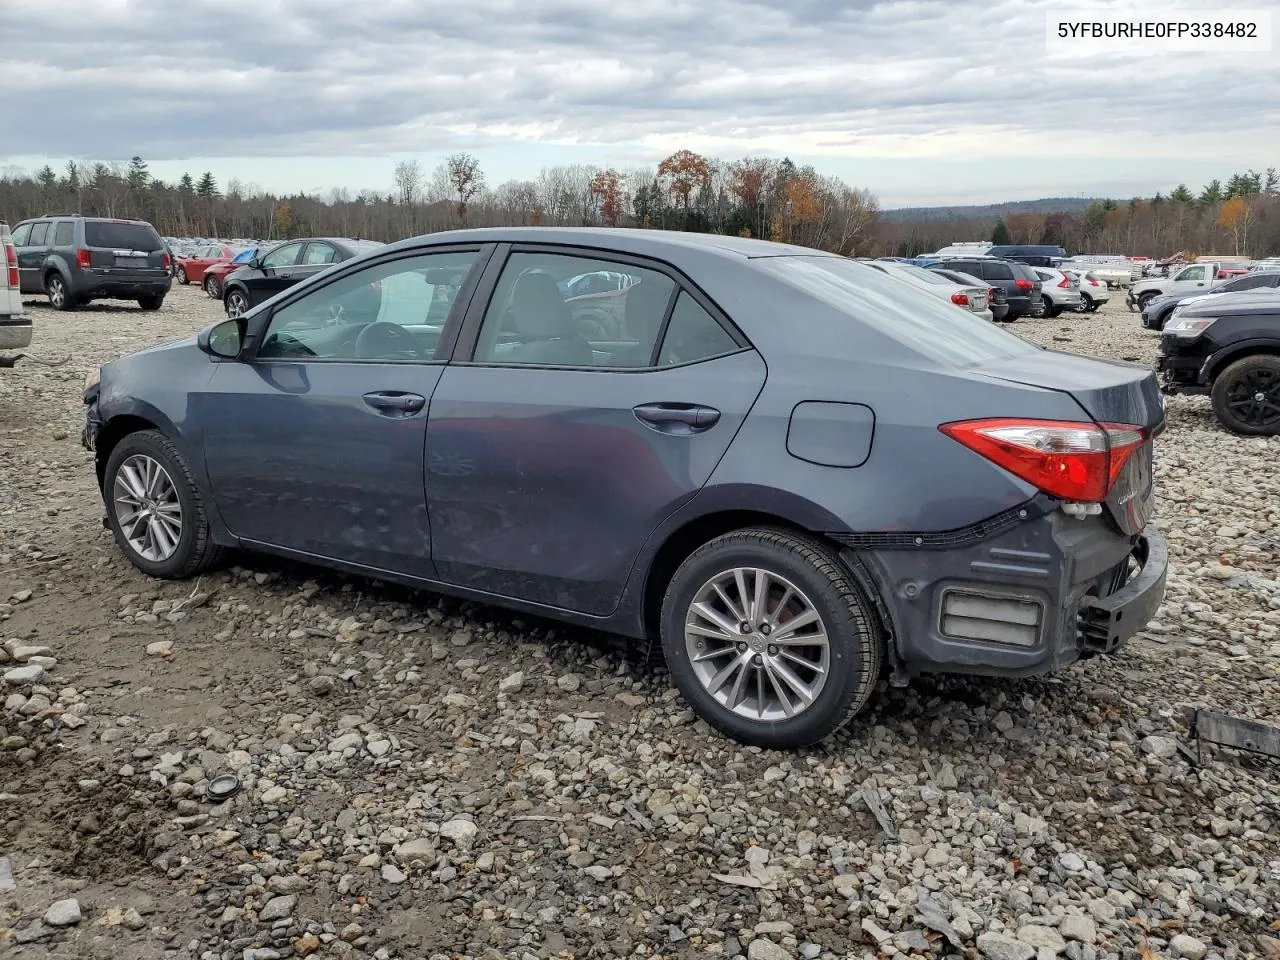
point(927, 324)
point(392, 311)
point(1246, 283)
point(540, 314)
point(21, 235)
point(1192, 273)
point(285, 256)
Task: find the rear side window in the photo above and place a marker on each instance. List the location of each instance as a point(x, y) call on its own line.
point(1247, 283)
point(39, 234)
point(64, 235)
point(122, 236)
point(693, 334)
point(925, 323)
point(997, 271)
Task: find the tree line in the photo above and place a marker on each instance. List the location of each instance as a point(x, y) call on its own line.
point(750, 197)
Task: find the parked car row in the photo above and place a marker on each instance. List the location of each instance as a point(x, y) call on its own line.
point(1157, 309)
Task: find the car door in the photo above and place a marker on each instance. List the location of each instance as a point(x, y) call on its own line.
point(274, 274)
point(1189, 278)
point(552, 458)
point(31, 255)
point(316, 256)
point(313, 444)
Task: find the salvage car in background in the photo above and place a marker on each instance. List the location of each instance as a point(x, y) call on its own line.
point(1194, 278)
point(883, 484)
point(972, 298)
point(997, 301)
point(1059, 291)
point(1093, 292)
point(216, 274)
point(192, 265)
point(262, 277)
point(1158, 310)
point(1229, 348)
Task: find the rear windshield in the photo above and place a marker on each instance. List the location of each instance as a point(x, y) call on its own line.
point(364, 246)
point(122, 236)
point(923, 322)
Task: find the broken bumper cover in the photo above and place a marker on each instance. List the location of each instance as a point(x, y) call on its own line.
point(92, 423)
point(1023, 596)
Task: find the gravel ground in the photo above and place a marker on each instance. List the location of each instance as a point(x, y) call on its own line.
point(429, 779)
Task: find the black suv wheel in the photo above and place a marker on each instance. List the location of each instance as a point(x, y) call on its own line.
point(1246, 396)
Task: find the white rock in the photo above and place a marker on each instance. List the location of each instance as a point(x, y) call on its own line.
point(278, 908)
point(161, 648)
point(569, 682)
point(1042, 938)
point(346, 742)
point(997, 946)
point(1162, 748)
point(1187, 947)
point(23, 654)
point(513, 683)
point(393, 874)
point(274, 794)
point(461, 832)
point(420, 849)
point(22, 675)
point(1076, 927)
point(766, 950)
point(63, 913)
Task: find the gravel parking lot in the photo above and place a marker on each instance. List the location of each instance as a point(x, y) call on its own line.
point(424, 778)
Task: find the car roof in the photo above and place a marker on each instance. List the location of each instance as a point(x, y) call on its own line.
point(620, 240)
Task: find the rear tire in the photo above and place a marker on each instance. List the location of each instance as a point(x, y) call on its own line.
point(151, 303)
point(1235, 394)
point(803, 580)
point(193, 549)
point(60, 298)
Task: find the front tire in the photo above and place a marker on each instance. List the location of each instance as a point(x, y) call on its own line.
point(1246, 396)
point(237, 303)
point(60, 297)
point(181, 276)
point(151, 303)
point(1145, 298)
point(769, 639)
point(211, 288)
point(155, 510)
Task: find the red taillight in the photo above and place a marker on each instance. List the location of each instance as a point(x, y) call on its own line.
point(960, 299)
point(11, 262)
point(1065, 281)
point(1064, 458)
point(1023, 284)
point(84, 259)
point(1093, 282)
point(167, 262)
point(991, 295)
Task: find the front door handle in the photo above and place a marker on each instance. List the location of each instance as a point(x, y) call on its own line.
point(677, 417)
point(395, 402)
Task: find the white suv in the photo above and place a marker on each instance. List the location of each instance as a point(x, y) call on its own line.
point(15, 325)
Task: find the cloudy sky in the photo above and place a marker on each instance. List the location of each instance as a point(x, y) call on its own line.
point(923, 101)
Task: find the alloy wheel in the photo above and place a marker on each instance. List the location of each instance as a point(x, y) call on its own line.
point(757, 644)
point(57, 292)
point(236, 304)
point(1255, 398)
point(147, 508)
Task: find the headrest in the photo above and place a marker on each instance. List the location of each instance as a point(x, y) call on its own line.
point(538, 309)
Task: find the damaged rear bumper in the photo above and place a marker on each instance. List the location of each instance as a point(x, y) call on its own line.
point(1024, 595)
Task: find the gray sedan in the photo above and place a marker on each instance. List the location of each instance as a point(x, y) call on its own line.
point(796, 474)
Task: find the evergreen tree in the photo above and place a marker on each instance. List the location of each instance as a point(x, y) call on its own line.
point(1000, 235)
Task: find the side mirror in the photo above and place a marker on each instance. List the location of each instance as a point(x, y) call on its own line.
point(223, 340)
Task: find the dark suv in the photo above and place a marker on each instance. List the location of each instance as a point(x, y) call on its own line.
point(77, 259)
point(1019, 282)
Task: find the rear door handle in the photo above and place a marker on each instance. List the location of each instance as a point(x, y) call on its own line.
point(392, 402)
point(677, 417)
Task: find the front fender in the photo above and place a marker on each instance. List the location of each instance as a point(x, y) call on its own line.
point(1217, 361)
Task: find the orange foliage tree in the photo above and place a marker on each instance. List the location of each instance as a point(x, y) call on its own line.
point(606, 187)
point(1237, 215)
point(748, 180)
point(684, 172)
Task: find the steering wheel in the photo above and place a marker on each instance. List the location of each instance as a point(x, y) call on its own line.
point(382, 341)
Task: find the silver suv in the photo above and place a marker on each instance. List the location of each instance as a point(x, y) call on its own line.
point(76, 259)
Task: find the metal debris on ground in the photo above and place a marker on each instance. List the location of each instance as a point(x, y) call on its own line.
point(871, 797)
point(6, 875)
point(1209, 726)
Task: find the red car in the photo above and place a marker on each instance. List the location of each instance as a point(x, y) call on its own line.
point(216, 272)
point(192, 268)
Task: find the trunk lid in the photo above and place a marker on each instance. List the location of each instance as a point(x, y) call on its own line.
point(1109, 391)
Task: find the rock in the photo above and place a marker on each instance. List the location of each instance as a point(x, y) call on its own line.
point(1071, 863)
point(1042, 938)
point(379, 748)
point(322, 685)
point(274, 795)
point(513, 683)
point(569, 682)
point(810, 951)
point(1103, 910)
point(393, 874)
point(23, 675)
point(351, 932)
point(458, 701)
point(306, 945)
point(260, 953)
point(22, 596)
point(766, 927)
point(946, 778)
point(161, 648)
point(63, 913)
point(766, 950)
point(23, 653)
point(599, 873)
point(1270, 946)
point(420, 849)
point(348, 741)
point(1162, 748)
point(1077, 927)
point(1181, 945)
point(132, 919)
point(997, 946)
point(278, 908)
point(461, 832)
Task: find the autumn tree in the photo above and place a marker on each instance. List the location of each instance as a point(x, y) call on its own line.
point(466, 179)
point(748, 181)
point(682, 173)
point(1237, 214)
point(606, 187)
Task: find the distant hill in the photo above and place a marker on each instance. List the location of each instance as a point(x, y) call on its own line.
point(992, 210)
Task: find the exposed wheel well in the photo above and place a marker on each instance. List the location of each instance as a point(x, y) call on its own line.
point(115, 430)
point(689, 538)
point(1221, 365)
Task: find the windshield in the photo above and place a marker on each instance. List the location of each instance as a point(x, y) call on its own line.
point(923, 322)
point(122, 236)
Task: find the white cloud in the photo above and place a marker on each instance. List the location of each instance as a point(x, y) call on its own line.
point(921, 79)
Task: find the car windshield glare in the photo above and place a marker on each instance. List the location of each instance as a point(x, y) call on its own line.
point(923, 322)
